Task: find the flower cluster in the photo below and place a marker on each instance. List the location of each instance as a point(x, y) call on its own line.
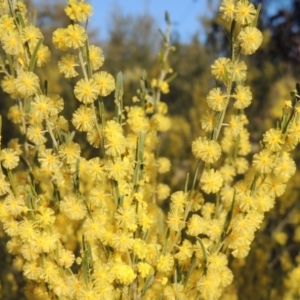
point(84, 226)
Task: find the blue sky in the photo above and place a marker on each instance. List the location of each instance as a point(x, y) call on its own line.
point(184, 13)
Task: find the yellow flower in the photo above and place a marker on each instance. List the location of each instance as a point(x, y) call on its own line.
point(15, 114)
point(96, 57)
point(31, 34)
point(8, 84)
point(78, 11)
point(221, 68)
point(164, 165)
point(243, 97)
point(7, 23)
point(114, 139)
point(73, 208)
point(273, 139)
point(4, 186)
point(40, 106)
point(263, 161)
point(185, 251)
point(216, 100)
point(75, 36)
point(196, 225)
point(122, 241)
point(15, 205)
point(124, 274)
point(59, 39)
point(35, 134)
point(105, 83)
point(67, 65)
point(11, 42)
point(9, 158)
point(211, 181)
point(48, 160)
point(27, 84)
point(207, 150)
point(207, 121)
point(95, 169)
point(239, 71)
point(43, 56)
point(144, 269)
point(165, 263)
point(126, 218)
point(175, 219)
point(83, 118)
point(69, 151)
point(94, 138)
point(86, 91)
point(227, 9)
point(66, 258)
point(245, 12)
point(250, 38)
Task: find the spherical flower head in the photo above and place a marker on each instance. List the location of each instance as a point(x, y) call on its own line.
point(73, 208)
point(96, 57)
point(144, 269)
point(8, 84)
point(105, 82)
point(27, 84)
point(245, 12)
point(11, 43)
point(31, 34)
point(263, 161)
point(208, 121)
point(48, 160)
point(96, 169)
point(175, 218)
point(15, 114)
point(273, 139)
point(86, 91)
point(185, 251)
point(164, 165)
point(35, 134)
point(276, 185)
point(41, 106)
point(239, 71)
point(221, 68)
point(93, 137)
point(160, 122)
point(78, 11)
point(165, 263)
point(59, 40)
point(207, 150)
point(178, 200)
point(6, 23)
point(227, 10)
point(211, 181)
point(114, 142)
point(216, 100)
point(83, 118)
point(43, 56)
point(196, 225)
point(162, 192)
point(124, 274)
point(67, 65)
point(250, 38)
point(69, 152)
point(285, 166)
point(243, 97)
point(4, 187)
point(9, 158)
point(75, 36)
